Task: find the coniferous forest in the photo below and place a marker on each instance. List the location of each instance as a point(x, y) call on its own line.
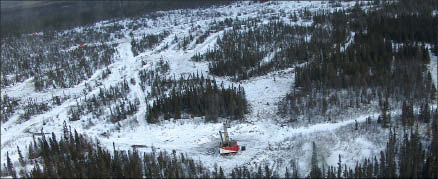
point(342, 61)
point(74, 155)
point(198, 97)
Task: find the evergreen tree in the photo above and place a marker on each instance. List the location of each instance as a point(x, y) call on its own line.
point(339, 167)
point(267, 172)
point(221, 173)
point(21, 158)
point(259, 172)
point(10, 167)
point(315, 171)
point(286, 174)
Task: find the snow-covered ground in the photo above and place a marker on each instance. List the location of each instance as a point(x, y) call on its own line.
point(267, 142)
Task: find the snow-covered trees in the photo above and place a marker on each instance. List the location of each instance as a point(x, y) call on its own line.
point(112, 101)
point(315, 171)
point(8, 107)
point(198, 97)
point(147, 42)
point(76, 156)
point(370, 67)
point(240, 52)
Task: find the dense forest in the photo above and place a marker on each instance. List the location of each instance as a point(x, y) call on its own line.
point(198, 96)
point(240, 52)
point(193, 95)
point(388, 57)
point(381, 64)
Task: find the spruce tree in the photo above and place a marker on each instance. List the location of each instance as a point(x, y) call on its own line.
point(286, 174)
point(339, 167)
point(10, 166)
point(21, 159)
point(221, 173)
point(315, 171)
point(267, 172)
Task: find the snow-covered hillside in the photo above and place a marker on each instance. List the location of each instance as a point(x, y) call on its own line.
point(269, 140)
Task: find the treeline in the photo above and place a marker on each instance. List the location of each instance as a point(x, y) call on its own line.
point(197, 96)
point(73, 155)
point(365, 64)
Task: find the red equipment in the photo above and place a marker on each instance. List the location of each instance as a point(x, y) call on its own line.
point(227, 146)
